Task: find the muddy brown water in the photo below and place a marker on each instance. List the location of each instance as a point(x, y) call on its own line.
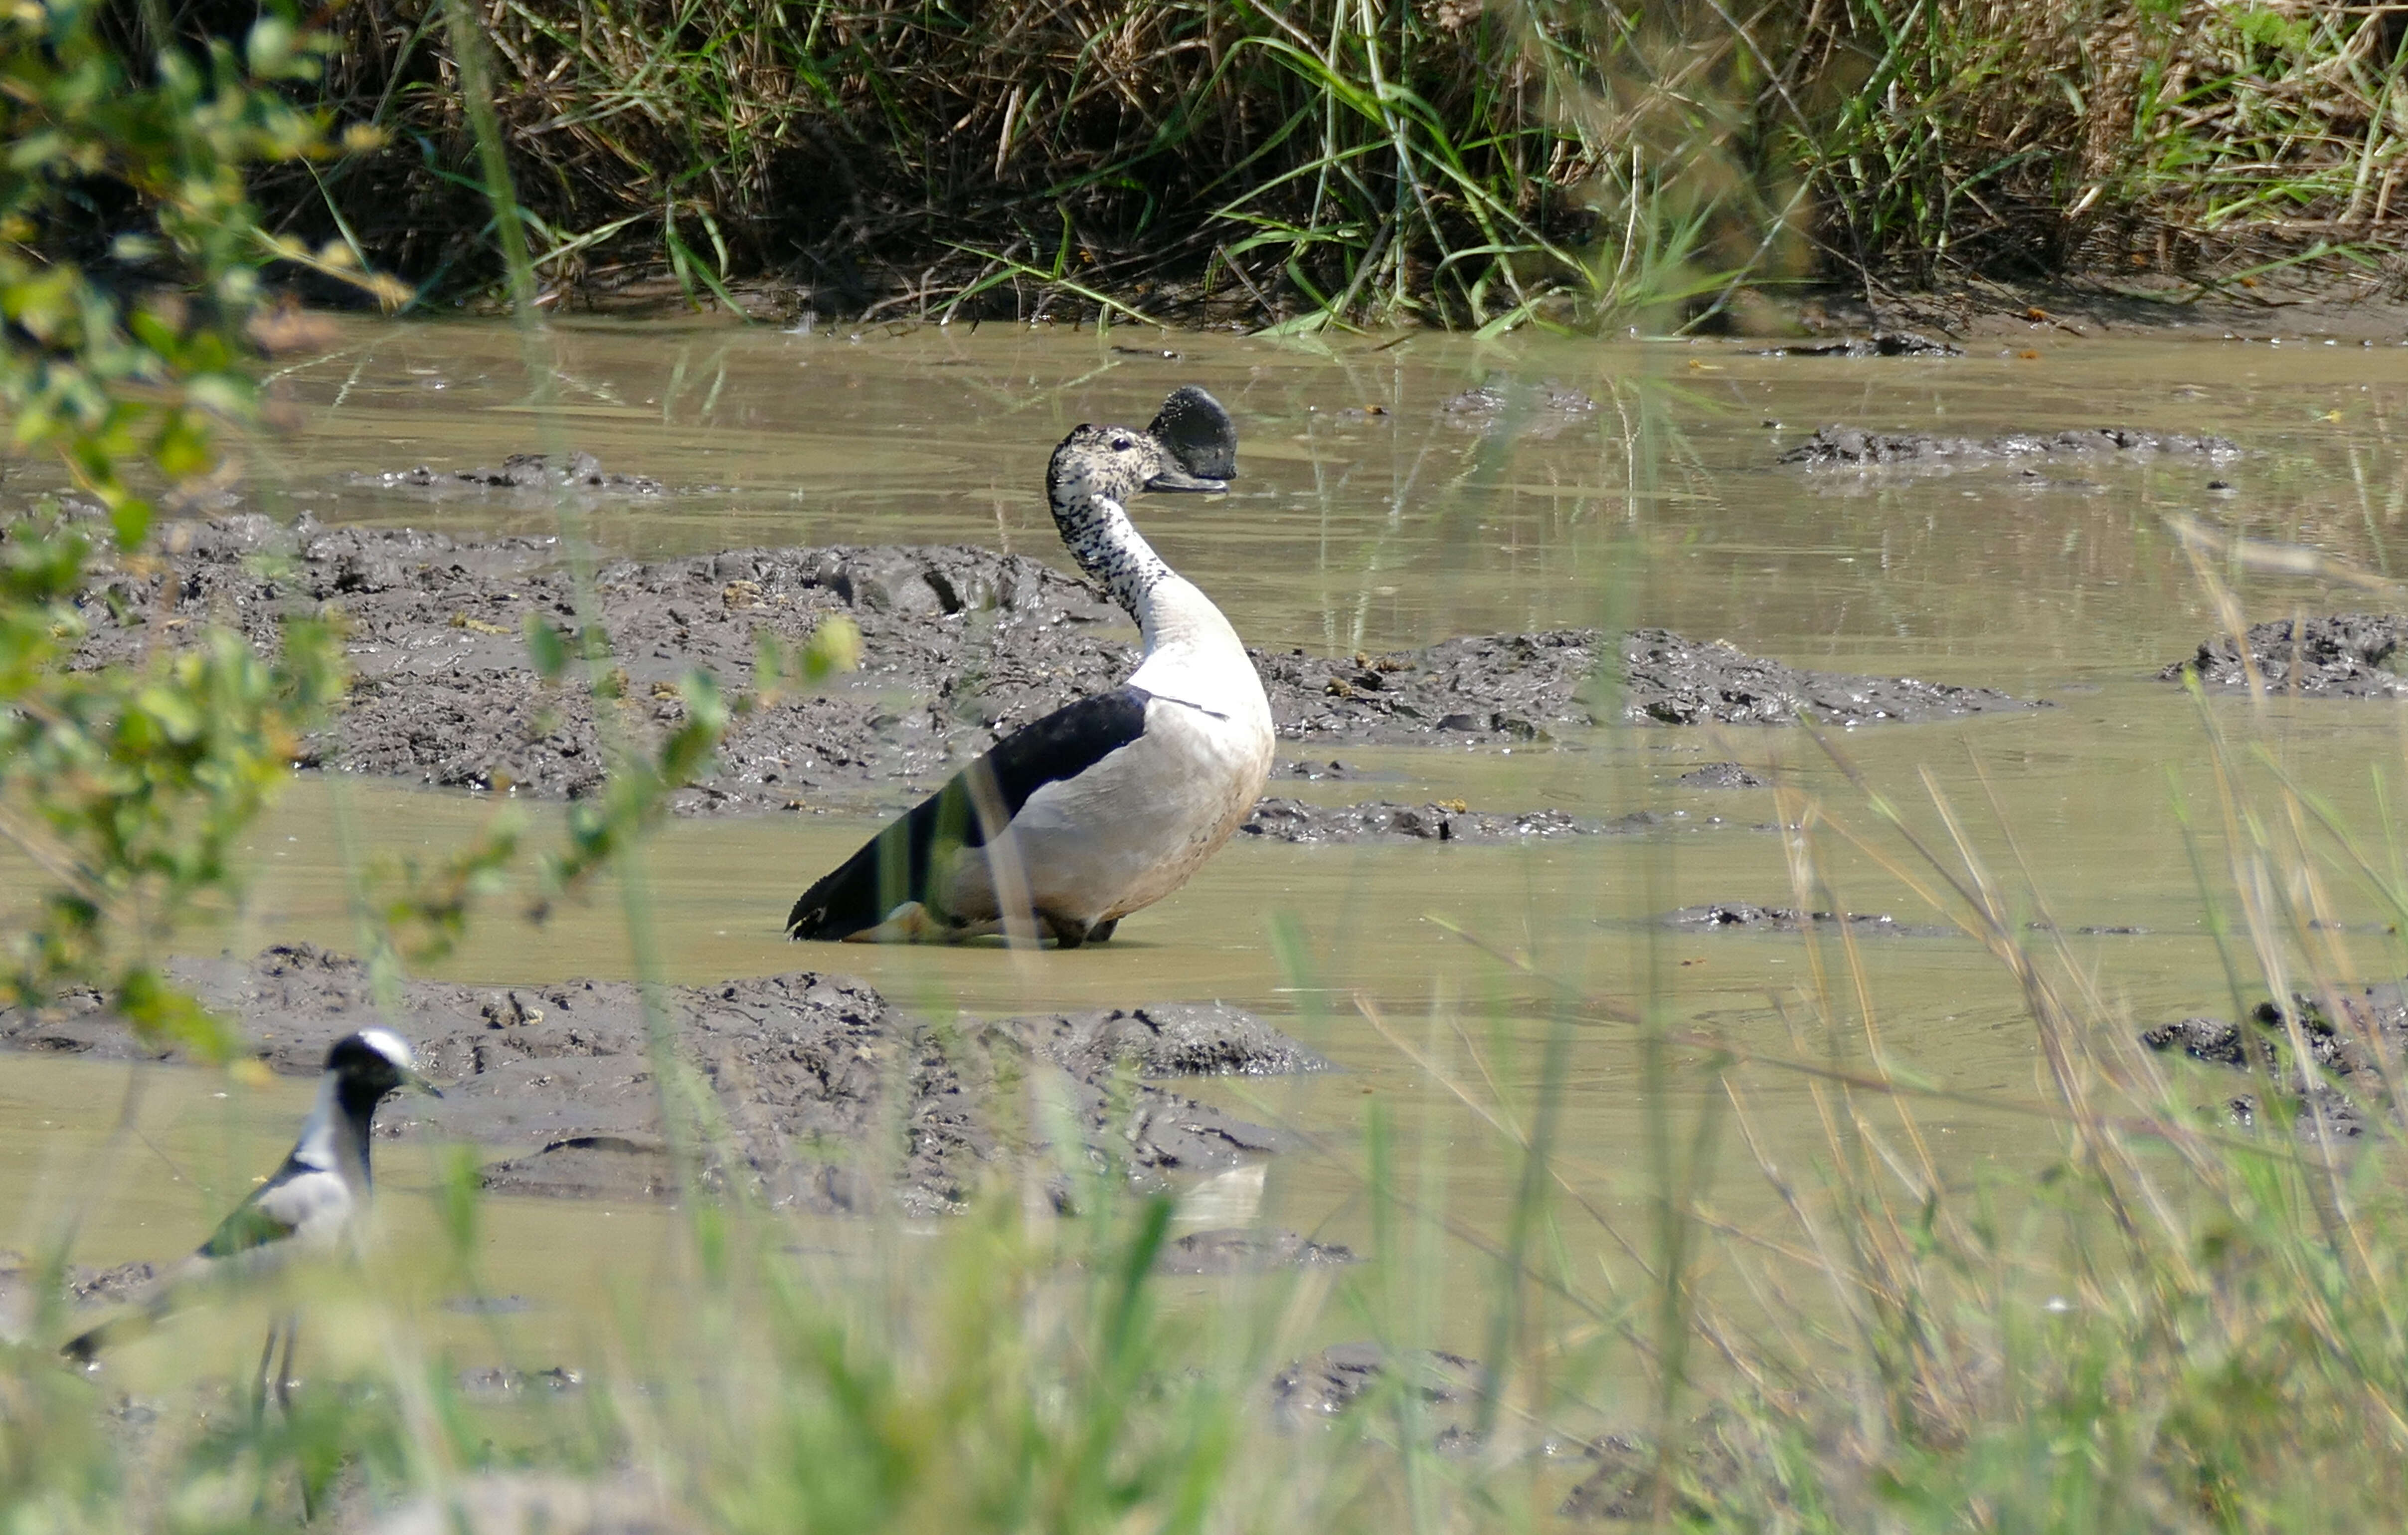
point(1370, 517)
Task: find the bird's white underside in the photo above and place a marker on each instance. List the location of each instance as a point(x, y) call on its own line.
point(1136, 823)
point(1130, 829)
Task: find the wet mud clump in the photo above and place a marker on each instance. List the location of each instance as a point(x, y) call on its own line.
point(2345, 1052)
point(1856, 447)
point(1239, 1250)
point(1625, 1471)
point(1167, 1039)
point(1633, 1475)
point(1481, 688)
point(1741, 916)
point(1540, 410)
point(2345, 655)
point(1523, 687)
point(1886, 343)
point(25, 1285)
point(960, 646)
point(1677, 681)
point(833, 1098)
point(1278, 819)
point(571, 471)
point(1310, 1393)
point(1282, 820)
point(1720, 775)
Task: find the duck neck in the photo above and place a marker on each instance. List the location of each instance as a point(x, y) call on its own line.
point(1109, 548)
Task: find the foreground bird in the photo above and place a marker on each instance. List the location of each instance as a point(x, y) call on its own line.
point(310, 1205)
point(1108, 804)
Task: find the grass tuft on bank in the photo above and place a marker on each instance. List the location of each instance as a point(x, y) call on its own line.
point(1341, 160)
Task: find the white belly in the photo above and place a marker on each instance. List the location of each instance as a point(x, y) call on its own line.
point(1133, 828)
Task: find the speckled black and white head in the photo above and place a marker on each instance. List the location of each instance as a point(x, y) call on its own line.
point(1192, 445)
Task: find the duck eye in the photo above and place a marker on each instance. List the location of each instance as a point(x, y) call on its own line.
point(1120, 444)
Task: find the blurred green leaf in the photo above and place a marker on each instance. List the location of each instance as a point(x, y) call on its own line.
point(270, 48)
point(128, 786)
point(834, 646)
point(546, 649)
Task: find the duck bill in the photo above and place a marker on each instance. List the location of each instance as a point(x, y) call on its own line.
point(416, 1082)
point(1175, 479)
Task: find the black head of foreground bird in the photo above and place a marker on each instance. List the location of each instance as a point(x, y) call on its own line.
point(1110, 803)
point(310, 1205)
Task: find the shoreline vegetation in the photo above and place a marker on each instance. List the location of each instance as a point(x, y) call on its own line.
point(1343, 161)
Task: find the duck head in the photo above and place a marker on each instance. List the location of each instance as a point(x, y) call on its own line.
point(1192, 445)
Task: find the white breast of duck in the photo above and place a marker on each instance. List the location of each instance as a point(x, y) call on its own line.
point(1110, 803)
point(1130, 828)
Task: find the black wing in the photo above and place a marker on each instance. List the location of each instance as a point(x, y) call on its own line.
point(260, 1219)
point(271, 1214)
point(892, 868)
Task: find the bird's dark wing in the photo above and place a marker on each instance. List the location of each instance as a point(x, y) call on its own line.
point(297, 1196)
point(272, 1213)
point(893, 866)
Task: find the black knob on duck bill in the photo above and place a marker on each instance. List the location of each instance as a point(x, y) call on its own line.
point(1201, 440)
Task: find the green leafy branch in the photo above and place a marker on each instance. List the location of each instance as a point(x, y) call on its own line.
point(128, 786)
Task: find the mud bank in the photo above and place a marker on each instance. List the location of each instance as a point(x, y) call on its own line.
point(1237, 1249)
point(2345, 655)
point(1310, 1393)
point(960, 646)
point(1674, 680)
point(1633, 1478)
point(1720, 775)
point(832, 1097)
point(2343, 1045)
point(1854, 447)
point(1502, 404)
point(1879, 344)
point(1282, 820)
point(1526, 686)
point(1625, 1474)
point(1741, 916)
point(24, 1281)
point(580, 473)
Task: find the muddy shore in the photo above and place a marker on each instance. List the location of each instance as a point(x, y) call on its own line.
point(2351, 1040)
point(832, 1097)
point(1278, 819)
point(2342, 655)
point(1854, 447)
point(960, 645)
point(1747, 917)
